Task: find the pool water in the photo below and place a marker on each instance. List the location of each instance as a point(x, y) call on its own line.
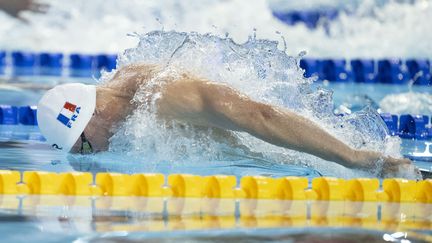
point(31, 155)
point(26, 153)
point(100, 26)
point(36, 155)
point(357, 95)
point(133, 219)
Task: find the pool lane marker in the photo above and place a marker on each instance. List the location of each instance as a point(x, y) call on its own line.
point(80, 65)
point(215, 186)
point(416, 127)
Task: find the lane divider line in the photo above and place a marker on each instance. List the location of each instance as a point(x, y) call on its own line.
point(407, 126)
point(214, 186)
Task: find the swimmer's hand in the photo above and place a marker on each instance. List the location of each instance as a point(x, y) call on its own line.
point(14, 7)
point(385, 166)
point(400, 168)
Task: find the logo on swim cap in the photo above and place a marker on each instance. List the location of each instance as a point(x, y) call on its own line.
point(64, 112)
point(68, 114)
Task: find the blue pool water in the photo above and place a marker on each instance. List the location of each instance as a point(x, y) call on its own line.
point(29, 155)
point(25, 152)
point(25, 155)
point(260, 68)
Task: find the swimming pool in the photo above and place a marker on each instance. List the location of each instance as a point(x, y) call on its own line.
point(54, 217)
point(18, 141)
point(100, 219)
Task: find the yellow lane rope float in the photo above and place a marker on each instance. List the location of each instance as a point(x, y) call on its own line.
point(214, 186)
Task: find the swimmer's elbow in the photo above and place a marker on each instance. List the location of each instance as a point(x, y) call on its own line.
point(265, 120)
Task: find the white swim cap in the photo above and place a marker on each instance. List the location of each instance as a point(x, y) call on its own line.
point(64, 112)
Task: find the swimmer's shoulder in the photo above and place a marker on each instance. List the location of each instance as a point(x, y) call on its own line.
point(129, 78)
point(136, 70)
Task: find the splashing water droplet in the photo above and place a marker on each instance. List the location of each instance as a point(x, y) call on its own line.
point(256, 68)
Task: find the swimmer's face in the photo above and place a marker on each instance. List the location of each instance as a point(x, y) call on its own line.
point(97, 134)
point(109, 110)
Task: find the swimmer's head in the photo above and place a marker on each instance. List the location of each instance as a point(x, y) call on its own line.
point(64, 112)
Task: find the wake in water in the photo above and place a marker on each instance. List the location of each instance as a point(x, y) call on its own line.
point(408, 103)
point(258, 69)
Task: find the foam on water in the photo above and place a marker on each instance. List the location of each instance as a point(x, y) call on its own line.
point(371, 29)
point(258, 69)
point(407, 103)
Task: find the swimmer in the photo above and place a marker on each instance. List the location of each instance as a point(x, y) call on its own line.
point(81, 118)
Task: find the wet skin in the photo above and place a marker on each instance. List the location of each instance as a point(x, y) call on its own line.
point(203, 103)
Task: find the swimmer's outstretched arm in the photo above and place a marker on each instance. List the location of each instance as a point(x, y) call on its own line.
point(212, 104)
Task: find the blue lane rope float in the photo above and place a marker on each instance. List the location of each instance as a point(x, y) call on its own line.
point(50, 64)
point(387, 71)
point(409, 126)
point(406, 126)
point(414, 127)
point(81, 65)
point(2, 62)
point(24, 63)
point(13, 115)
point(310, 18)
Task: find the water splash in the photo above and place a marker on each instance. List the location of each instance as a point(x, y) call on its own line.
point(258, 69)
point(407, 103)
point(371, 29)
point(362, 34)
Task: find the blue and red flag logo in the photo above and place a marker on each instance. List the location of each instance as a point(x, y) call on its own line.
point(68, 114)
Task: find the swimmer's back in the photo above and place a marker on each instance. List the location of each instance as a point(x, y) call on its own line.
point(179, 95)
point(187, 98)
